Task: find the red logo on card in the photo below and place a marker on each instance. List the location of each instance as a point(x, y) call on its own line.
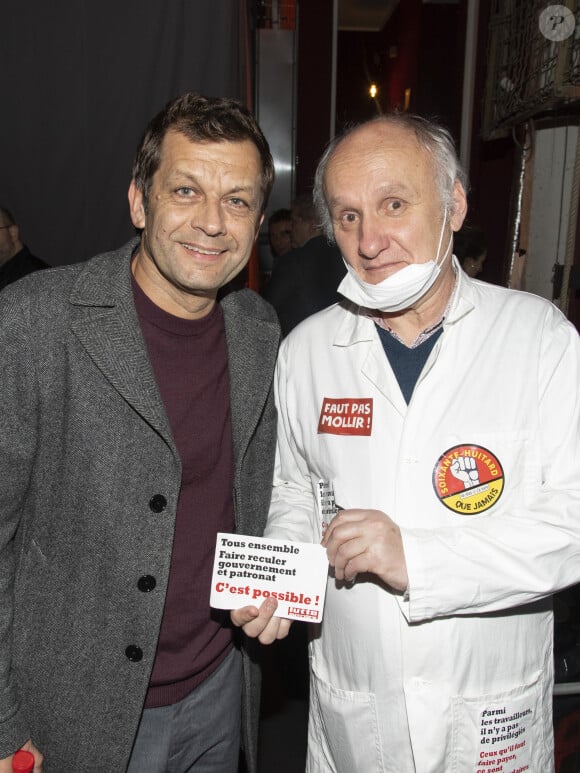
point(346, 416)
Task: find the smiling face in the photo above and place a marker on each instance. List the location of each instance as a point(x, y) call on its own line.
point(386, 209)
point(200, 223)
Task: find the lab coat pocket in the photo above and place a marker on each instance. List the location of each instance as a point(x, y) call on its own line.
point(483, 473)
point(344, 730)
point(502, 732)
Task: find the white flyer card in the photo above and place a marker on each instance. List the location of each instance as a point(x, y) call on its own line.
point(248, 570)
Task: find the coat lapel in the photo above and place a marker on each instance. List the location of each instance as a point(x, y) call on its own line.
point(106, 324)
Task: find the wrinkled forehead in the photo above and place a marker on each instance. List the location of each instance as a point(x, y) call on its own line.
point(380, 160)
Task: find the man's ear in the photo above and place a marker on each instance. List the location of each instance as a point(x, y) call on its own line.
point(136, 205)
point(459, 208)
point(14, 232)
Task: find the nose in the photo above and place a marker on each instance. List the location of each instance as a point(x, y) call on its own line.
point(209, 217)
point(373, 236)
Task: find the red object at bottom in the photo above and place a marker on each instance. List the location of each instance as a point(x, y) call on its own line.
point(567, 743)
point(23, 762)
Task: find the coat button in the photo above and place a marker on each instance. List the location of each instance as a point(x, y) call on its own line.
point(158, 503)
point(134, 653)
point(146, 583)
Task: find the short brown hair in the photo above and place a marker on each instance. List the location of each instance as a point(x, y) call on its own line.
point(201, 119)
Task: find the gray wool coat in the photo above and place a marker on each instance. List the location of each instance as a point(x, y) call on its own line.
point(85, 452)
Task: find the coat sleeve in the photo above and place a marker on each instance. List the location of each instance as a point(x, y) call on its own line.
point(532, 550)
point(17, 447)
point(293, 508)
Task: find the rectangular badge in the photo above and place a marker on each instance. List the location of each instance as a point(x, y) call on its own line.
point(346, 416)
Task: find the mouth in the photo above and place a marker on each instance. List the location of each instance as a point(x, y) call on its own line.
point(197, 249)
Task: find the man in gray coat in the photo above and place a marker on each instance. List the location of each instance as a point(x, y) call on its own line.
point(137, 421)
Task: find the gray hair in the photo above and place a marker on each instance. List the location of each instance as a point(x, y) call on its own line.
point(435, 138)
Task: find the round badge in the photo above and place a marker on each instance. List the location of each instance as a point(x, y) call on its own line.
point(556, 23)
point(468, 479)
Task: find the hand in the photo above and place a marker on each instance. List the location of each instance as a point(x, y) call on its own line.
point(366, 541)
point(6, 763)
point(464, 468)
point(260, 622)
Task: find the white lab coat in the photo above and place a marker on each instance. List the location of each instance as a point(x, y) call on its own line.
point(456, 678)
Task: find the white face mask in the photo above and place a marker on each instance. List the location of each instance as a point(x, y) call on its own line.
point(400, 290)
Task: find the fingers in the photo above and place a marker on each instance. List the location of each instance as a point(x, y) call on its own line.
point(277, 628)
point(368, 541)
point(349, 559)
point(341, 522)
point(38, 758)
point(345, 544)
point(260, 623)
point(240, 617)
point(6, 762)
point(261, 627)
point(347, 567)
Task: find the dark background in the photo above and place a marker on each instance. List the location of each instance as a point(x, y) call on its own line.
point(79, 81)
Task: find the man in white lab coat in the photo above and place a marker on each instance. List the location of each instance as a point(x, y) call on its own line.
point(440, 418)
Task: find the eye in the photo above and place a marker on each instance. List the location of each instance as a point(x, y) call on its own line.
point(394, 205)
point(348, 219)
point(185, 190)
point(237, 202)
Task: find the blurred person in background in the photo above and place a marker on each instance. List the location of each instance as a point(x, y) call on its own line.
point(280, 232)
point(470, 247)
point(305, 224)
point(16, 260)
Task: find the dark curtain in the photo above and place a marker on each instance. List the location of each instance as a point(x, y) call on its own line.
point(79, 81)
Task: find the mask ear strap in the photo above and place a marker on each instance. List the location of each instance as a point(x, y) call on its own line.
point(437, 263)
point(446, 249)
